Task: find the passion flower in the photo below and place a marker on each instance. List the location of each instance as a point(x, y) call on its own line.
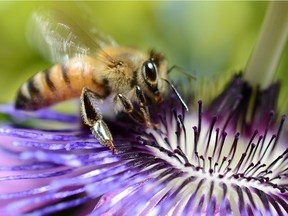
point(228, 157)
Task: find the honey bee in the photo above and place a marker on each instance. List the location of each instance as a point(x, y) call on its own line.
point(91, 66)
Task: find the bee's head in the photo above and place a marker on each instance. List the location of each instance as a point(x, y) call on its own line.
point(153, 72)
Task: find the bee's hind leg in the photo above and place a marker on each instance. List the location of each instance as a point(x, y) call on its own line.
point(92, 117)
point(142, 116)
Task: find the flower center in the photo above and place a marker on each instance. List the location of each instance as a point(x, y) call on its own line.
point(209, 161)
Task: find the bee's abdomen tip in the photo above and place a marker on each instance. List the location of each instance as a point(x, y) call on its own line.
point(24, 103)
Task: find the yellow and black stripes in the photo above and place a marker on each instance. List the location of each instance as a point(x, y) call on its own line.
point(65, 74)
point(59, 83)
point(48, 80)
point(32, 94)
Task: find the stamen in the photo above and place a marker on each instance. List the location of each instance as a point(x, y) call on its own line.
point(232, 110)
point(277, 159)
point(199, 117)
point(258, 168)
point(203, 159)
point(257, 145)
point(167, 142)
point(283, 119)
point(237, 167)
point(209, 135)
point(271, 113)
point(181, 153)
point(271, 140)
point(216, 142)
point(198, 160)
point(224, 159)
point(247, 169)
point(184, 131)
point(234, 146)
point(251, 140)
point(226, 172)
point(210, 165)
point(224, 134)
point(250, 153)
point(228, 165)
point(215, 165)
point(196, 134)
point(178, 128)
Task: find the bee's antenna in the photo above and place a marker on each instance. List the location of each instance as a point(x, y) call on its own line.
point(177, 94)
point(190, 76)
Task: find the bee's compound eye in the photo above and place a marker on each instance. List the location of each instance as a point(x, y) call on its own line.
point(150, 70)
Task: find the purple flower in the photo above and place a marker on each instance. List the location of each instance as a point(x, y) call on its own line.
point(209, 161)
point(229, 157)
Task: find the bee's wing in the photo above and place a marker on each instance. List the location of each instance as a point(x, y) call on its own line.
point(59, 38)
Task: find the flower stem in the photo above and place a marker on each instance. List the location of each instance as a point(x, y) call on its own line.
point(268, 49)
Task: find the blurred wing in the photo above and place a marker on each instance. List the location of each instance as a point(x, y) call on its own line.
point(60, 38)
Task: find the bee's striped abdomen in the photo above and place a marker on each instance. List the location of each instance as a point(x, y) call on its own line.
point(48, 80)
point(30, 95)
point(58, 83)
point(65, 74)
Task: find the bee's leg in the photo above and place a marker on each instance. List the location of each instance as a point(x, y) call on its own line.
point(142, 116)
point(128, 106)
point(92, 117)
point(143, 105)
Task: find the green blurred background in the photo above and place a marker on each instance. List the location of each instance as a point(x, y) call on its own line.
point(209, 39)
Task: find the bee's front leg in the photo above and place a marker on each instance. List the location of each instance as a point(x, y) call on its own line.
point(142, 116)
point(92, 117)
